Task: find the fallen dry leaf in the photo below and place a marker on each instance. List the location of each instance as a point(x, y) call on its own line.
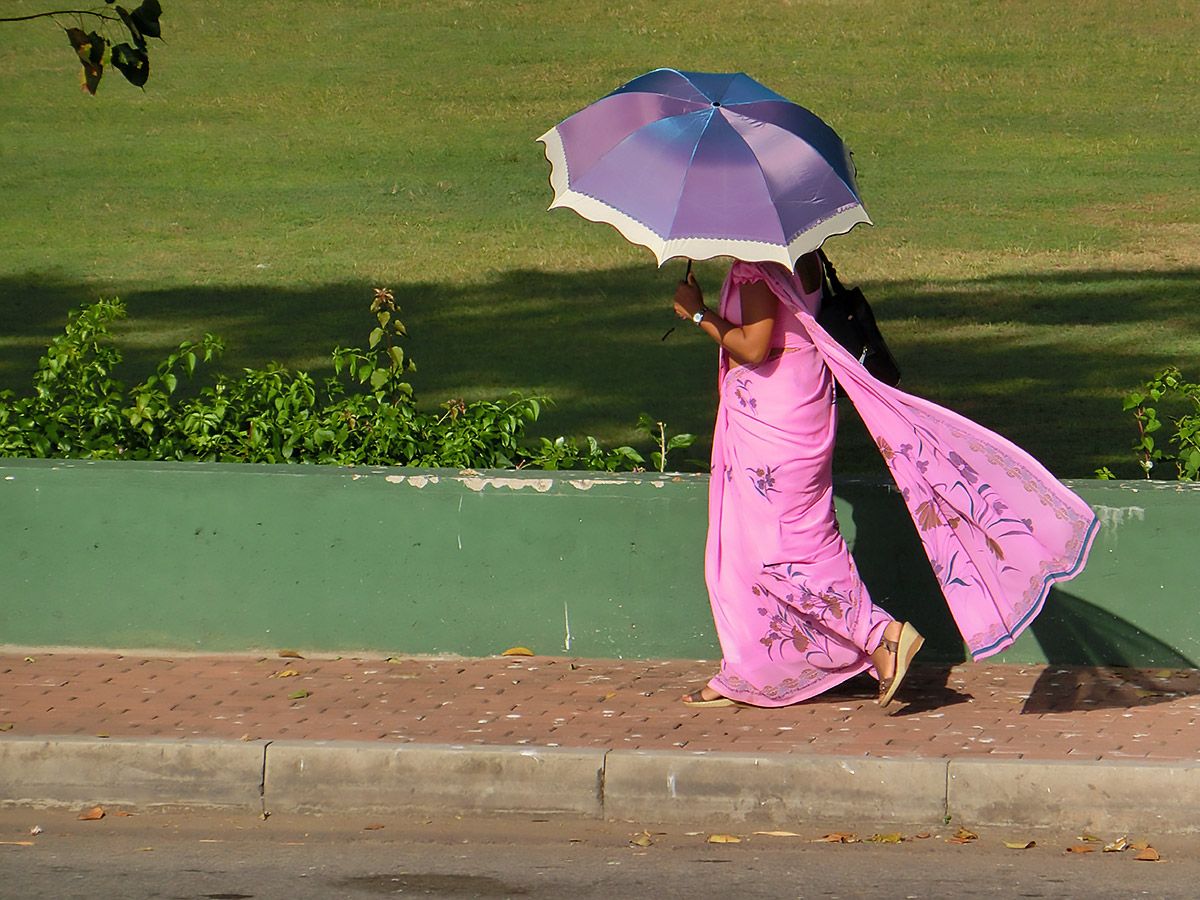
point(290, 654)
point(837, 837)
point(93, 814)
point(517, 651)
point(892, 837)
point(1139, 845)
point(922, 835)
point(778, 833)
point(1020, 845)
point(145, 849)
point(1121, 843)
point(1082, 848)
point(18, 843)
point(1090, 838)
point(724, 839)
point(1148, 855)
point(30, 659)
point(374, 826)
point(284, 673)
point(297, 695)
point(642, 840)
point(6, 726)
point(123, 814)
point(608, 696)
point(963, 836)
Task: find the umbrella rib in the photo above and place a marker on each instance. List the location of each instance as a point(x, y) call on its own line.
point(683, 181)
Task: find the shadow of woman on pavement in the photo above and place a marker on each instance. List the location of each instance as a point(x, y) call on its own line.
point(1099, 660)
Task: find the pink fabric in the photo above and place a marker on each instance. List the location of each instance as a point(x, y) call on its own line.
point(791, 612)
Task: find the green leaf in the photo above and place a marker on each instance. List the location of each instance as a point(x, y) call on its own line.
point(134, 32)
point(146, 17)
point(133, 63)
point(376, 337)
point(681, 441)
point(90, 50)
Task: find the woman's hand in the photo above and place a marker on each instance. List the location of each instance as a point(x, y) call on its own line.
point(749, 342)
point(689, 299)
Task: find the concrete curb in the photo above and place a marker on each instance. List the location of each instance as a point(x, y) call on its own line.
point(346, 776)
point(677, 787)
point(634, 785)
point(151, 773)
point(1101, 796)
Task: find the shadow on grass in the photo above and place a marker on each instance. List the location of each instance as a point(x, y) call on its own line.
point(592, 342)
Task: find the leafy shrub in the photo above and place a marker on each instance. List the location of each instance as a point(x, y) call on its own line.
point(1163, 394)
point(365, 414)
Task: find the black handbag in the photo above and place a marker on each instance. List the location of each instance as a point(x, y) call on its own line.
point(846, 315)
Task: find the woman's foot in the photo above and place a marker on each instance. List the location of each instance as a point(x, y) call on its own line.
point(893, 656)
point(706, 697)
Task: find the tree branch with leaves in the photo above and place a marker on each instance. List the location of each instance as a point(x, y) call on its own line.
point(96, 48)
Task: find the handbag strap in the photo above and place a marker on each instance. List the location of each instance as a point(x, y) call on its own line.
point(829, 272)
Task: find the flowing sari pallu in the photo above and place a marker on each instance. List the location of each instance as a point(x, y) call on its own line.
point(998, 528)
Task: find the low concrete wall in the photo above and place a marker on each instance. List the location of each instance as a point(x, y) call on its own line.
point(192, 556)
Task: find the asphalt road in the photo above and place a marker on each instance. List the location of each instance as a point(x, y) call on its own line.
point(193, 856)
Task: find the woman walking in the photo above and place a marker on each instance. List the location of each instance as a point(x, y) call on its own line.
point(791, 613)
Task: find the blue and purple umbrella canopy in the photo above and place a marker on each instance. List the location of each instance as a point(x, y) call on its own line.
point(697, 165)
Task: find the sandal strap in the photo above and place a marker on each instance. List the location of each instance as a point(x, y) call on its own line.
point(890, 646)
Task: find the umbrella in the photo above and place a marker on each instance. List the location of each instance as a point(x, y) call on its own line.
point(699, 165)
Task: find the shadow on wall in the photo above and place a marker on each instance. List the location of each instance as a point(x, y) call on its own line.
point(1123, 666)
point(1072, 631)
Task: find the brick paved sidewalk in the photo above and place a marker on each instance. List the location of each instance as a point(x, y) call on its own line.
point(1031, 712)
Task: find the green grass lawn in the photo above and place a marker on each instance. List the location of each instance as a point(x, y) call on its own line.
point(1031, 169)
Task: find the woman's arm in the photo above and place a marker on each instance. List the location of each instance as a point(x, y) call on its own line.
point(748, 343)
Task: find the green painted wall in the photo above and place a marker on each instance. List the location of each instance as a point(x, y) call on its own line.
point(240, 557)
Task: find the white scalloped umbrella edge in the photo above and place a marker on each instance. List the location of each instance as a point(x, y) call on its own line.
point(689, 248)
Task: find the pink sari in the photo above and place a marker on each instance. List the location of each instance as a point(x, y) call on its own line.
point(791, 612)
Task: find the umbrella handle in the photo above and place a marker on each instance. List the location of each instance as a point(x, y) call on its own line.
point(685, 278)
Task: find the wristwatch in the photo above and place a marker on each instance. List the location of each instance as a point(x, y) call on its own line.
point(698, 317)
